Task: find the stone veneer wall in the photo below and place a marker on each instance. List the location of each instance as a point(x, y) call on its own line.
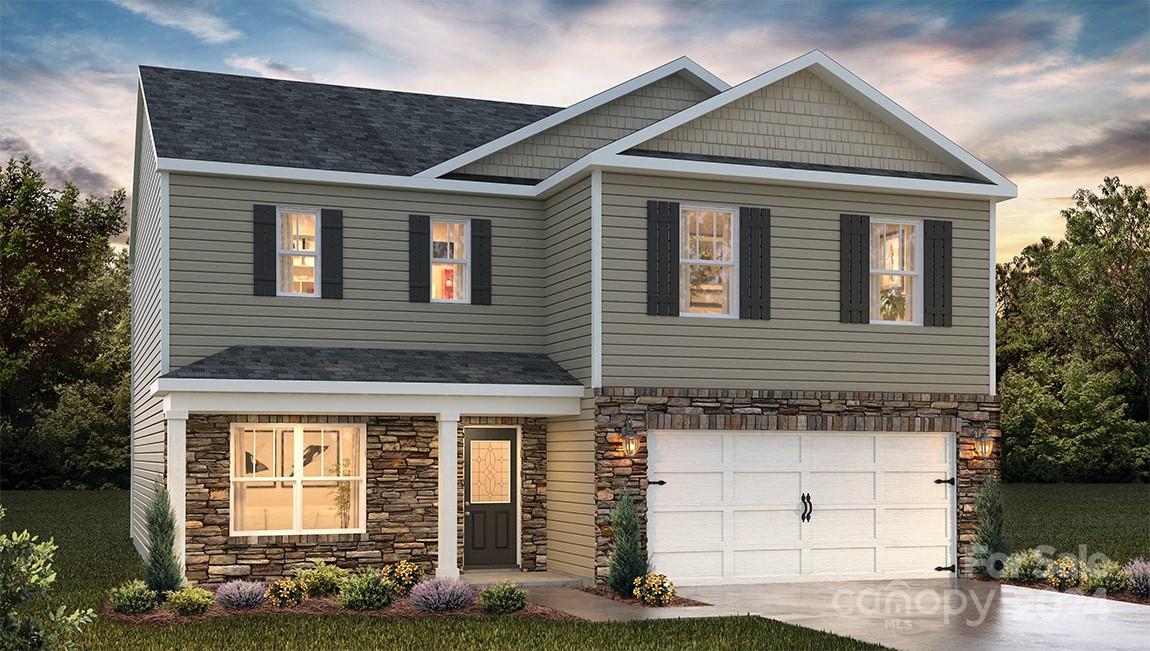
point(401, 500)
point(750, 409)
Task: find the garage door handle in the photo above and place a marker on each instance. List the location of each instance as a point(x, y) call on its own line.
point(805, 499)
point(810, 507)
point(661, 482)
point(945, 481)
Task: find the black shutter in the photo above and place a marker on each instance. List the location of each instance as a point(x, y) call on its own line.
point(663, 258)
point(481, 261)
point(419, 258)
point(854, 268)
point(937, 269)
point(263, 250)
point(754, 263)
point(331, 254)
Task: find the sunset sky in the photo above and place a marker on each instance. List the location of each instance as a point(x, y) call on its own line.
point(1055, 95)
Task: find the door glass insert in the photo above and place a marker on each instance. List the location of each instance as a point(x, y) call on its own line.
point(490, 472)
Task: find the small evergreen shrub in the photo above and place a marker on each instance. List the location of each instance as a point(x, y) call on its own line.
point(503, 597)
point(241, 595)
point(403, 575)
point(162, 573)
point(1026, 566)
point(654, 589)
point(1139, 570)
point(990, 546)
point(367, 589)
point(132, 597)
point(189, 601)
point(323, 580)
point(627, 561)
point(441, 595)
point(1109, 577)
point(1065, 573)
point(286, 593)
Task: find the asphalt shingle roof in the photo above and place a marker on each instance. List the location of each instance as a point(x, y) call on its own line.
point(237, 119)
point(376, 365)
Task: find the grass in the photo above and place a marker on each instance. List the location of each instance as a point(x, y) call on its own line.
point(1113, 519)
point(94, 554)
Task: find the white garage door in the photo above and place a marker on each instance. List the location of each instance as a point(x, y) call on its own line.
point(731, 508)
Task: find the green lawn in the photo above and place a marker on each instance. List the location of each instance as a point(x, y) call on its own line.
point(1113, 519)
point(91, 530)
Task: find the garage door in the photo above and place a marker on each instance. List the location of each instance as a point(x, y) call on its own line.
point(732, 505)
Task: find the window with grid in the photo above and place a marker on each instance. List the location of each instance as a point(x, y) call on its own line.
point(895, 272)
point(298, 252)
point(707, 264)
point(450, 256)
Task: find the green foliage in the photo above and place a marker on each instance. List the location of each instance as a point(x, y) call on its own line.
point(323, 580)
point(286, 593)
point(990, 545)
point(627, 561)
point(1026, 566)
point(503, 597)
point(892, 304)
point(367, 589)
point(654, 589)
point(163, 573)
point(133, 597)
point(404, 575)
point(190, 601)
point(1065, 573)
point(1109, 577)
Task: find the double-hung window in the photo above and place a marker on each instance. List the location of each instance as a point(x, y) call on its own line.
point(297, 252)
point(895, 272)
point(293, 479)
point(708, 269)
point(450, 260)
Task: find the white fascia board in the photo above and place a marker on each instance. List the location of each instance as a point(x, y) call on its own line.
point(449, 407)
point(698, 75)
point(166, 386)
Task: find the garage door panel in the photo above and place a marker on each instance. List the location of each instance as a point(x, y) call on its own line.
point(831, 450)
point(912, 487)
point(688, 565)
point(841, 524)
point(904, 560)
point(766, 527)
point(924, 450)
point(767, 487)
point(687, 450)
point(767, 563)
point(842, 487)
point(840, 561)
point(687, 528)
point(687, 488)
point(915, 524)
point(766, 450)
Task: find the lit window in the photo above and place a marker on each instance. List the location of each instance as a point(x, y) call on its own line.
point(298, 252)
point(707, 261)
point(449, 259)
point(298, 479)
point(895, 285)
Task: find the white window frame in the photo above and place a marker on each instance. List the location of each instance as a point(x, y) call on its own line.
point(465, 260)
point(916, 274)
point(281, 252)
point(733, 313)
point(297, 479)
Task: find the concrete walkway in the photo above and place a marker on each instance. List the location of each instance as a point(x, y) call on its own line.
point(601, 609)
point(942, 614)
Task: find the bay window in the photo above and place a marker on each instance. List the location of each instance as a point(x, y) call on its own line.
point(297, 252)
point(895, 272)
point(708, 270)
point(450, 260)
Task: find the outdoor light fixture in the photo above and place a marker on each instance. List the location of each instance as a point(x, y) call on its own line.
point(983, 445)
point(630, 441)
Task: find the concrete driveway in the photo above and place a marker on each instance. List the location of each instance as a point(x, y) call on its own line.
point(942, 614)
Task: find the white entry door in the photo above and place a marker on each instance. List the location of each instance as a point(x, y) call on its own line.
point(731, 507)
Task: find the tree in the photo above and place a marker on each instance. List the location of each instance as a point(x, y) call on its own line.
point(163, 572)
point(627, 561)
point(990, 548)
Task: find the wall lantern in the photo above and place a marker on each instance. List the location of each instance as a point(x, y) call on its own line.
point(630, 441)
point(983, 445)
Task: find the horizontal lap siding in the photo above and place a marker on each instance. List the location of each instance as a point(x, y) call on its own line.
point(803, 346)
point(148, 426)
point(571, 492)
point(211, 294)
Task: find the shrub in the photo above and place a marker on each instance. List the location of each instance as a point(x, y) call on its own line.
point(443, 594)
point(241, 595)
point(627, 561)
point(990, 537)
point(367, 589)
point(503, 597)
point(133, 597)
point(323, 580)
point(189, 601)
point(1065, 573)
point(1139, 570)
point(404, 575)
point(286, 593)
point(654, 589)
point(163, 573)
point(1026, 566)
point(1109, 577)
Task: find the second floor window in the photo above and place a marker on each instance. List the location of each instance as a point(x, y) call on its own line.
point(895, 272)
point(298, 252)
point(450, 258)
point(707, 265)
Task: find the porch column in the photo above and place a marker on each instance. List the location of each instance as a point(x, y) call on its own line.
point(448, 559)
point(177, 475)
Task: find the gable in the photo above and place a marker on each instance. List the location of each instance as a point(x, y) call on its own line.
point(545, 153)
point(799, 119)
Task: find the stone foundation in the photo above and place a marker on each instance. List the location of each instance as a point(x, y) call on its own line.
point(401, 500)
point(968, 415)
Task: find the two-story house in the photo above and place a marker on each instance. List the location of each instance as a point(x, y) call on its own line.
point(372, 325)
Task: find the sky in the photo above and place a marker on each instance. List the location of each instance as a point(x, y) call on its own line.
point(1055, 95)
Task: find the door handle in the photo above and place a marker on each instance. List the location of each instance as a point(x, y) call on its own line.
point(661, 482)
point(803, 498)
point(945, 481)
point(810, 507)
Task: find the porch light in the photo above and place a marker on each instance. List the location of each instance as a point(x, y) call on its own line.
point(630, 441)
point(984, 445)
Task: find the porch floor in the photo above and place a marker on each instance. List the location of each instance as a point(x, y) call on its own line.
point(549, 578)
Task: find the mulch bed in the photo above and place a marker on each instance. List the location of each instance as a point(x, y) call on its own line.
point(323, 606)
point(602, 591)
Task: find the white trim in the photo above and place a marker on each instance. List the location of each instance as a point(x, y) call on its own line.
point(315, 255)
point(732, 265)
point(465, 298)
point(447, 489)
point(176, 442)
point(701, 78)
point(165, 274)
point(917, 275)
point(993, 320)
point(167, 386)
point(596, 279)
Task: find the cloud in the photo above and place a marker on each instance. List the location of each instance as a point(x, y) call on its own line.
point(190, 16)
point(1118, 147)
point(87, 179)
point(267, 67)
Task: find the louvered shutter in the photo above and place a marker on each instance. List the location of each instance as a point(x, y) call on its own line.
point(854, 268)
point(263, 250)
point(754, 263)
point(662, 258)
point(481, 261)
point(937, 267)
point(419, 258)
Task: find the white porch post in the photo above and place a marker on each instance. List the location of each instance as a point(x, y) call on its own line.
point(448, 560)
point(177, 475)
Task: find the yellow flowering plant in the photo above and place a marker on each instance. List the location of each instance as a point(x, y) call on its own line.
point(286, 593)
point(1065, 573)
point(654, 589)
point(403, 575)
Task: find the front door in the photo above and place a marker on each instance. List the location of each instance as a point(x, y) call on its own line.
point(489, 495)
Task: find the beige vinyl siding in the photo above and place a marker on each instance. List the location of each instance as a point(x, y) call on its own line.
point(800, 119)
point(571, 492)
point(211, 294)
point(545, 153)
point(567, 300)
point(803, 346)
point(148, 426)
